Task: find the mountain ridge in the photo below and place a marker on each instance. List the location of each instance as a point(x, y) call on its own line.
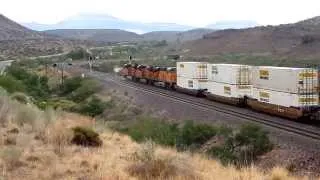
point(297, 40)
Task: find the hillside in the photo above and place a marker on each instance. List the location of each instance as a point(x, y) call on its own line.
point(17, 41)
point(161, 35)
point(104, 35)
point(10, 30)
point(301, 39)
point(194, 34)
point(44, 151)
point(175, 36)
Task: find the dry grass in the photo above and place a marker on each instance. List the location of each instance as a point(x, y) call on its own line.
point(43, 151)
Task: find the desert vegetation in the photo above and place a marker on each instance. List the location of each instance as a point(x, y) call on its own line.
point(230, 146)
point(53, 144)
point(76, 94)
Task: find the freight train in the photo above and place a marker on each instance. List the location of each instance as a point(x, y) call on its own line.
point(282, 91)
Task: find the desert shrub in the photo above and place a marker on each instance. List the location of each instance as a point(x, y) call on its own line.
point(254, 138)
point(88, 87)
point(32, 84)
point(238, 147)
point(78, 54)
point(59, 136)
point(93, 107)
point(71, 84)
point(196, 134)
point(11, 156)
point(10, 84)
point(243, 147)
point(20, 97)
point(5, 109)
point(3, 92)
point(307, 39)
point(17, 72)
point(26, 115)
point(85, 137)
point(166, 133)
point(10, 140)
point(158, 131)
point(63, 104)
point(151, 165)
point(157, 168)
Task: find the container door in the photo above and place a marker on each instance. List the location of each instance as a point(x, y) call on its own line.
point(202, 71)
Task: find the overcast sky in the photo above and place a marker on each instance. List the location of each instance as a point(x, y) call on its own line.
point(188, 12)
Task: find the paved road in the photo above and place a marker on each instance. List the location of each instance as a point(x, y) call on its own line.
point(48, 56)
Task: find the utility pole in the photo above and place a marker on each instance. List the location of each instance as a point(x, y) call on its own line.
point(46, 69)
point(62, 78)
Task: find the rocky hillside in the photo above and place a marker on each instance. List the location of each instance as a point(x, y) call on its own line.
point(10, 30)
point(18, 41)
point(177, 36)
point(301, 39)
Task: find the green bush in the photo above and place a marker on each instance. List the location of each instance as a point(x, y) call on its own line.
point(78, 54)
point(88, 87)
point(10, 84)
point(63, 104)
point(239, 148)
point(243, 147)
point(189, 136)
point(254, 139)
point(22, 80)
point(196, 134)
point(85, 137)
point(158, 131)
point(93, 107)
point(71, 84)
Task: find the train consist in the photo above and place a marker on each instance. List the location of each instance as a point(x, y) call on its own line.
point(283, 91)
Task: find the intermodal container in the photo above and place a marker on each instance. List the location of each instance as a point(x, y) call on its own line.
point(230, 73)
point(286, 79)
point(284, 98)
point(194, 70)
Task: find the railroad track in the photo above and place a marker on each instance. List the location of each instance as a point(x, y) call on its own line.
point(208, 107)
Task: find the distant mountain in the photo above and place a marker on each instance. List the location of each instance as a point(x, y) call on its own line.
point(98, 21)
point(116, 35)
point(298, 40)
point(104, 35)
point(232, 24)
